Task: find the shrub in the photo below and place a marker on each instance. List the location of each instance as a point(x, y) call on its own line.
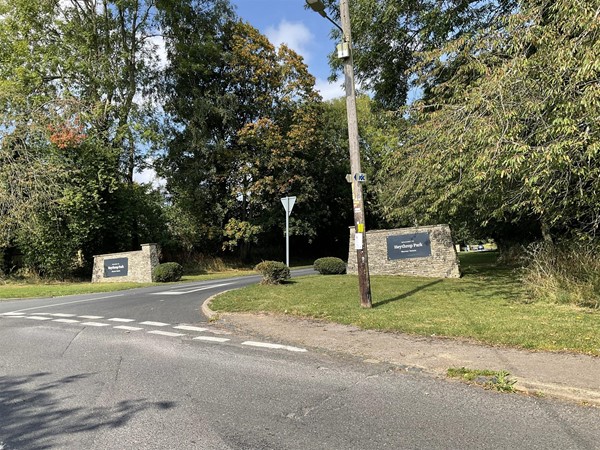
point(330, 266)
point(566, 273)
point(273, 272)
point(164, 273)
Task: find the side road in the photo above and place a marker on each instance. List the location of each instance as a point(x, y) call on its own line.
point(562, 375)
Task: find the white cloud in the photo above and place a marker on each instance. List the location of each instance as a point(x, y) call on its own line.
point(160, 50)
point(329, 90)
point(293, 34)
point(149, 176)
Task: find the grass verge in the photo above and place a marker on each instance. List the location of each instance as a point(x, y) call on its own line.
point(498, 380)
point(17, 290)
point(486, 305)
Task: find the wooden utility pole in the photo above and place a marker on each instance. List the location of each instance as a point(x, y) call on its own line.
point(364, 281)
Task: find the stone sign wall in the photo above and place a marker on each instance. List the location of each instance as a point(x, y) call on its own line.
point(417, 251)
point(127, 266)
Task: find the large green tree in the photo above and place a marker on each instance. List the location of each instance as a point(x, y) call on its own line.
point(248, 132)
point(513, 135)
point(388, 35)
point(76, 95)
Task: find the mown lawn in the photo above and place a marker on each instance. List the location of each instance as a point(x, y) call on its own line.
point(27, 289)
point(487, 304)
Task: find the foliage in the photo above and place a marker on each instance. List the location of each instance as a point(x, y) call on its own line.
point(379, 133)
point(167, 272)
point(77, 112)
point(273, 272)
point(509, 138)
point(568, 272)
point(498, 380)
point(384, 55)
point(330, 266)
point(245, 130)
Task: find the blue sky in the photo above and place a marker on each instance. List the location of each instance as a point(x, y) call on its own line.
point(305, 31)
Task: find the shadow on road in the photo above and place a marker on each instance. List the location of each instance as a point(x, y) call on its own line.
point(34, 413)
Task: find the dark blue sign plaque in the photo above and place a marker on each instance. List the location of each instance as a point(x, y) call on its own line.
point(416, 245)
point(117, 267)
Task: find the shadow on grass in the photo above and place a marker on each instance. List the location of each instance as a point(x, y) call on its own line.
point(33, 413)
point(406, 294)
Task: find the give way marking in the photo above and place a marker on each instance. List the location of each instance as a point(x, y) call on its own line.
point(212, 286)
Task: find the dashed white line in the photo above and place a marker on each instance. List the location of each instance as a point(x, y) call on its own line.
point(65, 320)
point(95, 324)
point(37, 317)
point(166, 333)
point(92, 317)
point(127, 328)
point(210, 339)
point(274, 346)
point(154, 324)
point(62, 315)
point(189, 328)
point(118, 319)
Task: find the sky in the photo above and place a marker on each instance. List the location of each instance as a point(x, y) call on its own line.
point(303, 30)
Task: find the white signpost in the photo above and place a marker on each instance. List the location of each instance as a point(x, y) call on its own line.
point(288, 204)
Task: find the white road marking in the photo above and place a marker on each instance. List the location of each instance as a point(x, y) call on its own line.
point(204, 288)
point(70, 303)
point(37, 317)
point(118, 319)
point(275, 346)
point(95, 324)
point(65, 320)
point(210, 339)
point(12, 314)
point(189, 328)
point(92, 317)
point(154, 324)
point(166, 333)
point(40, 314)
point(125, 327)
point(62, 315)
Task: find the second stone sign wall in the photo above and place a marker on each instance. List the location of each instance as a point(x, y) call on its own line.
point(127, 266)
point(417, 251)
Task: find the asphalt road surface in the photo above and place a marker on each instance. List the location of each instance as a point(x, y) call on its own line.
point(143, 369)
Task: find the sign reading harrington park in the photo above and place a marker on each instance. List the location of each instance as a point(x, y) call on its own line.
point(415, 245)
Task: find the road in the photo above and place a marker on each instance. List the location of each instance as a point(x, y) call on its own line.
point(144, 369)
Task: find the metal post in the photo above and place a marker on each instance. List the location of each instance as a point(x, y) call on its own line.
point(364, 281)
point(287, 232)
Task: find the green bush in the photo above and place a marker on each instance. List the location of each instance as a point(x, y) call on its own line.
point(273, 272)
point(164, 273)
point(330, 266)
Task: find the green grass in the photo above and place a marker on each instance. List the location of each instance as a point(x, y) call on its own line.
point(485, 305)
point(492, 379)
point(12, 291)
point(24, 289)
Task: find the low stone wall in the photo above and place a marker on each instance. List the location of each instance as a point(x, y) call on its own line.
point(417, 251)
point(127, 266)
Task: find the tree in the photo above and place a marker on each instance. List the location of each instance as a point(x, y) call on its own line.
point(513, 135)
point(388, 34)
point(77, 83)
point(247, 133)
